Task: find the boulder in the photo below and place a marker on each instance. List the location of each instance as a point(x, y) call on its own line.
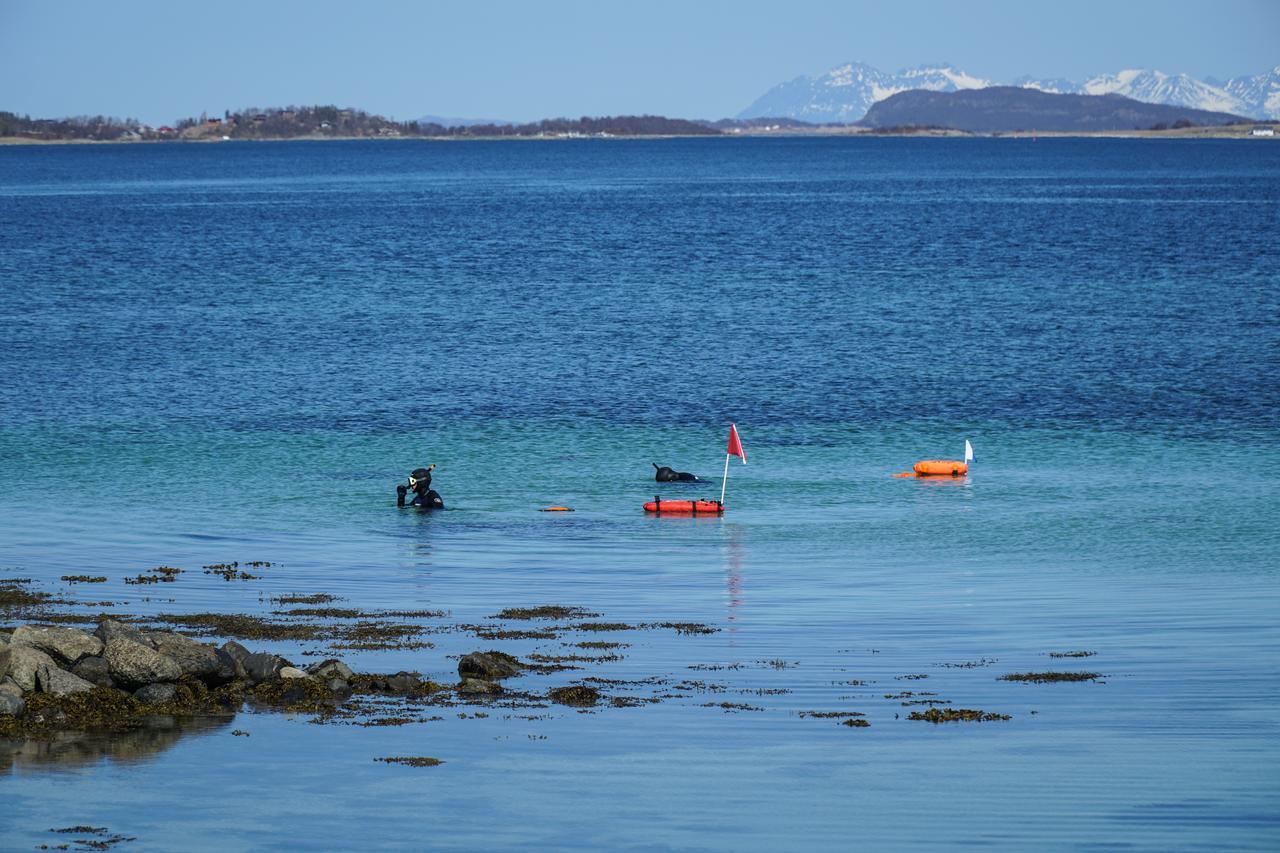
point(21, 663)
point(404, 682)
point(332, 668)
point(488, 665)
point(59, 682)
point(291, 672)
point(65, 644)
point(134, 665)
point(263, 666)
point(338, 685)
point(192, 657)
point(110, 629)
point(95, 671)
point(12, 705)
point(9, 687)
point(229, 669)
point(155, 694)
point(479, 687)
point(236, 650)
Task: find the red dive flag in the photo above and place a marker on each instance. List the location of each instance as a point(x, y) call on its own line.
point(735, 444)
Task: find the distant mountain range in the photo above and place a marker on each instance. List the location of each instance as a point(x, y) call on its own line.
point(844, 94)
point(1011, 108)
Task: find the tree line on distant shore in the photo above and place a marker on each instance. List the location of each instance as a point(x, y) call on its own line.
point(331, 121)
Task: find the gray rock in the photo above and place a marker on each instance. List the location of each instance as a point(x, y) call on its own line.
point(337, 685)
point(110, 629)
point(65, 644)
point(192, 657)
point(134, 665)
point(291, 672)
point(236, 650)
point(9, 687)
point(95, 671)
point(229, 669)
point(332, 668)
point(12, 705)
point(488, 665)
point(21, 663)
point(479, 686)
point(155, 694)
point(263, 666)
point(4, 639)
point(403, 682)
point(59, 682)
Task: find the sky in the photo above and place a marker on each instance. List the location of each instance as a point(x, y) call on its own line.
point(519, 61)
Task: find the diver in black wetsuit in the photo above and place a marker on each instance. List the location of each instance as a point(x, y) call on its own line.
point(420, 484)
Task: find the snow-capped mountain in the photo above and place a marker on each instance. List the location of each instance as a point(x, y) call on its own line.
point(844, 94)
point(1156, 87)
point(1260, 93)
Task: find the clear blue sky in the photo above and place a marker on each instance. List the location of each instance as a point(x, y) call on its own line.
point(157, 61)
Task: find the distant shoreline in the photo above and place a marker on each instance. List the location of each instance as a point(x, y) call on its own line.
point(1220, 132)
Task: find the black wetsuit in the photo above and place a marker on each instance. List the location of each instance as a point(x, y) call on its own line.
point(424, 496)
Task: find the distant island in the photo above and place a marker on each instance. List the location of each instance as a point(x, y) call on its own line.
point(1002, 109)
point(992, 111)
point(321, 122)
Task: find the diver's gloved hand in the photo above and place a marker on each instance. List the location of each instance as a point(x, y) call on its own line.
point(401, 491)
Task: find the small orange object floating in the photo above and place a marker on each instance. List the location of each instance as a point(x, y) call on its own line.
point(941, 467)
point(555, 509)
point(659, 506)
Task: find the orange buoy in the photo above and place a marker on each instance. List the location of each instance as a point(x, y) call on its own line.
point(940, 468)
point(659, 506)
point(555, 509)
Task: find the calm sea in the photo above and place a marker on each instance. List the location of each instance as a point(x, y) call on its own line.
point(231, 352)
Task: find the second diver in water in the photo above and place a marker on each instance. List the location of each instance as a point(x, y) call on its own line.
point(420, 484)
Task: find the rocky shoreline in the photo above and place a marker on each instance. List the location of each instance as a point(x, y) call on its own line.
point(56, 678)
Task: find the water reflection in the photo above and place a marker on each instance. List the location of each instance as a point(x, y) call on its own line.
point(75, 749)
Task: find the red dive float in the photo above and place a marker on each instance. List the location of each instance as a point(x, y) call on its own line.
point(941, 467)
point(661, 507)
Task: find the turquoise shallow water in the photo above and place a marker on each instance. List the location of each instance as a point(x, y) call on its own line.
point(217, 353)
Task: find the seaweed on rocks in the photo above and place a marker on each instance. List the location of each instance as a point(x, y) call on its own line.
point(856, 723)
point(411, 760)
point(953, 715)
point(577, 695)
point(1081, 654)
point(305, 598)
point(545, 611)
point(1049, 677)
point(84, 578)
point(241, 627)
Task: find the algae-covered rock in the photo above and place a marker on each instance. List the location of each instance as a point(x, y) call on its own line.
point(577, 695)
point(332, 668)
point(95, 671)
point(263, 666)
point(59, 682)
point(134, 665)
point(488, 665)
point(65, 644)
point(192, 658)
point(478, 687)
point(111, 629)
point(21, 663)
point(155, 694)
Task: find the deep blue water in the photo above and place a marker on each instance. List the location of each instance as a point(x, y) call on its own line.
point(218, 352)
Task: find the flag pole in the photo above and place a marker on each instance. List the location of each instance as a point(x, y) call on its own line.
point(724, 483)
